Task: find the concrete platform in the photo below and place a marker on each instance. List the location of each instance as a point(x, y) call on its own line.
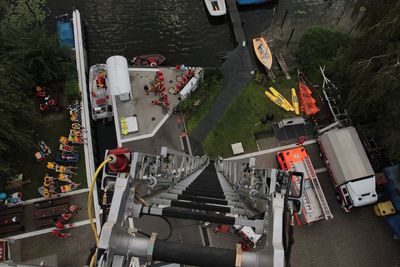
point(358, 238)
point(53, 251)
point(149, 117)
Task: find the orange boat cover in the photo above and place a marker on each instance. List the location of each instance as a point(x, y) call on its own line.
point(308, 103)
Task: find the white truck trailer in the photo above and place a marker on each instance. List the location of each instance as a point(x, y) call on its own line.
point(349, 167)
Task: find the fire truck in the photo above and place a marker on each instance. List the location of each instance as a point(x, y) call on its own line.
point(314, 205)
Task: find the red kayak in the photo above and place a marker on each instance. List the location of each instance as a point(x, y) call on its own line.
point(152, 60)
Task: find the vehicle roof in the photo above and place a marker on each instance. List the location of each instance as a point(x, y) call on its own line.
point(346, 155)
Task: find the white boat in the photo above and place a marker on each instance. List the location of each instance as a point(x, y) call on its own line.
point(216, 7)
point(100, 99)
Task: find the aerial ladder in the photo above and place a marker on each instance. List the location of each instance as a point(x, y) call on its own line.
point(177, 185)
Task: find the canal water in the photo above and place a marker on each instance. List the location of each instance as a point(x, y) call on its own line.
point(179, 29)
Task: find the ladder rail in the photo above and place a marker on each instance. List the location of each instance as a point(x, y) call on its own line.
point(320, 194)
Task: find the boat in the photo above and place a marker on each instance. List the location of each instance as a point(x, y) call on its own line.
point(276, 100)
point(263, 52)
point(100, 99)
point(151, 60)
point(251, 2)
point(295, 102)
point(284, 100)
point(65, 31)
point(216, 7)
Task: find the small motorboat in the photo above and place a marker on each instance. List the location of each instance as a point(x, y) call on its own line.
point(151, 60)
point(251, 2)
point(216, 7)
point(100, 99)
point(263, 52)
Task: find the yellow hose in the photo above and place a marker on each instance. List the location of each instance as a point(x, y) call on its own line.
point(90, 202)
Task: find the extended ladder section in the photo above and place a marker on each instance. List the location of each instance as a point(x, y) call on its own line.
point(193, 190)
point(320, 194)
point(315, 206)
point(205, 199)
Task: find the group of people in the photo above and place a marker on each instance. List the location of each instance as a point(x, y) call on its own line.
point(68, 154)
point(60, 223)
point(158, 87)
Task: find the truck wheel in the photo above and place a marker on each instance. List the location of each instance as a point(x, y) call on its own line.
point(337, 196)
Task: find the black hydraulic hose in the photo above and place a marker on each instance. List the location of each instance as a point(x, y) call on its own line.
point(197, 216)
point(199, 206)
point(289, 246)
point(203, 199)
point(169, 225)
point(200, 194)
point(193, 255)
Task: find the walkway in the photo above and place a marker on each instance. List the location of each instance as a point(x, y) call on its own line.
point(29, 220)
point(236, 71)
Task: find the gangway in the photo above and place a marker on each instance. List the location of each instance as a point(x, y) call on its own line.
point(315, 207)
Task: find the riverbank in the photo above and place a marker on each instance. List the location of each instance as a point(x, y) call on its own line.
point(243, 119)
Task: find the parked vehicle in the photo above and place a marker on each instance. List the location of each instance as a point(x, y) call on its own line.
point(349, 167)
point(314, 205)
point(100, 99)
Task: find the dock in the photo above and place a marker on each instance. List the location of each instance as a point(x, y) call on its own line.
point(236, 21)
point(282, 64)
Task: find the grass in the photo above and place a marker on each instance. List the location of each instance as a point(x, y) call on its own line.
point(242, 119)
point(206, 94)
point(52, 126)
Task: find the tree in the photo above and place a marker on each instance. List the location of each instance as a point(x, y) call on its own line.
point(372, 65)
point(320, 47)
point(366, 70)
point(20, 14)
point(28, 56)
point(17, 120)
point(39, 54)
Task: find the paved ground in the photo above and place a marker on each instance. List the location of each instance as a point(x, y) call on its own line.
point(351, 239)
point(53, 251)
point(168, 135)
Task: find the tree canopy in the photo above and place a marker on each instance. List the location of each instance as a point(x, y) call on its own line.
point(372, 65)
point(321, 47)
point(366, 69)
point(28, 56)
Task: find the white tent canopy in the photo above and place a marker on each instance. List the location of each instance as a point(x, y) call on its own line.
point(118, 77)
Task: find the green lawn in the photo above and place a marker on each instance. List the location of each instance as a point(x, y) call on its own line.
point(238, 124)
point(51, 127)
point(208, 91)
